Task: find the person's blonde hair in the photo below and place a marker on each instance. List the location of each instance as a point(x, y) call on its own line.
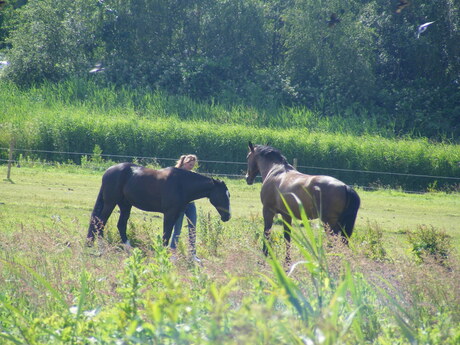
point(185, 159)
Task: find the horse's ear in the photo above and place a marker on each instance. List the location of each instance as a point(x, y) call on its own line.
point(251, 147)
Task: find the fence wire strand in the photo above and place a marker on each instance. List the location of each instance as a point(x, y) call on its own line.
point(156, 159)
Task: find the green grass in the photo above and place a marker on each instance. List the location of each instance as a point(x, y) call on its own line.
point(387, 287)
point(397, 212)
point(53, 289)
point(76, 116)
point(70, 193)
point(90, 97)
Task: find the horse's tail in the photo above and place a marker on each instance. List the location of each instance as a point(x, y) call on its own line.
point(94, 220)
point(348, 217)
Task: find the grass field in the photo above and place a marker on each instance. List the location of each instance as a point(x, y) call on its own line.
point(70, 193)
point(44, 214)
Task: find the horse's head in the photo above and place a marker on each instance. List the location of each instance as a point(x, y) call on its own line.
point(253, 169)
point(220, 199)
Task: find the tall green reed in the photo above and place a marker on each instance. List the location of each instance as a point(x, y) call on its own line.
point(19, 325)
point(342, 308)
point(76, 115)
point(154, 104)
point(328, 311)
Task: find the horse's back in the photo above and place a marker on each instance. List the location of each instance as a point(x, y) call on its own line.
point(317, 193)
point(114, 180)
point(124, 171)
point(147, 189)
point(117, 171)
point(134, 184)
point(332, 192)
point(298, 183)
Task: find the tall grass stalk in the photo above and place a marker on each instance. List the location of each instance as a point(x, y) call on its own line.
point(343, 307)
point(23, 321)
point(402, 317)
point(15, 267)
point(74, 131)
point(329, 309)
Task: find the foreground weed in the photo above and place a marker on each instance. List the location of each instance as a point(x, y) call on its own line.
point(212, 232)
point(328, 312)
point(370, 242)
point(18, 325)
point(428, 241)
point(346, 309)
point(131, 283)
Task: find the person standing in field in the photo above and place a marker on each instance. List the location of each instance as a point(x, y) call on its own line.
point(186, 162)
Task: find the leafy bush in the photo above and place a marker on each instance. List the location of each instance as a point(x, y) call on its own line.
point(429, 241)
point(53, 41)
point(366, 62)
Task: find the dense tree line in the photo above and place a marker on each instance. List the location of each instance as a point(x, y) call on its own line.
point(355, 57)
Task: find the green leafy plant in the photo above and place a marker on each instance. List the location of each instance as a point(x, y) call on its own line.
point(427, 240)
point(212, 232)
point(369, 242)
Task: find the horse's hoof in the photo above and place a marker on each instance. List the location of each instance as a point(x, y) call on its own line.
point(196, 259)
point(128, 247)
point(173, 258)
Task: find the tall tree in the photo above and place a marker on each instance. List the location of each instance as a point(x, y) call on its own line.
point(52, 40)
point(329, 54)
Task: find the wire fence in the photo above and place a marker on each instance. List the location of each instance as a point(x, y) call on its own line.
point(167, 161)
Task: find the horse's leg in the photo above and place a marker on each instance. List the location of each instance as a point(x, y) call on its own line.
point(337, 229)
point(287, 237)
point(125, 211)
point(101, 221)
point(94, 219)
point(268, 215)
point(169, 220)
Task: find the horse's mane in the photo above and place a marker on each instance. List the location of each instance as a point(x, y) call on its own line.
point(272, 154)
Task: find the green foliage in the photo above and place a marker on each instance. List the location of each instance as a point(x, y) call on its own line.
point(69, 119)
point(370, 242)
point(52, 41)
point(212, 232)
point(55, 290)
point(428, 241)
point(354, 58)
point(96, 161)
point(331, 65)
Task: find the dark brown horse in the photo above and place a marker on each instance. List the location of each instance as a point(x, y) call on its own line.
point(324, 197)
point(167, 191)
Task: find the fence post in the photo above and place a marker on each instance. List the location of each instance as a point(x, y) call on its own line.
point(10, 159)
point(295, 163)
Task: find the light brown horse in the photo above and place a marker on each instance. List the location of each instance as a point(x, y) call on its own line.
point(324, 197)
